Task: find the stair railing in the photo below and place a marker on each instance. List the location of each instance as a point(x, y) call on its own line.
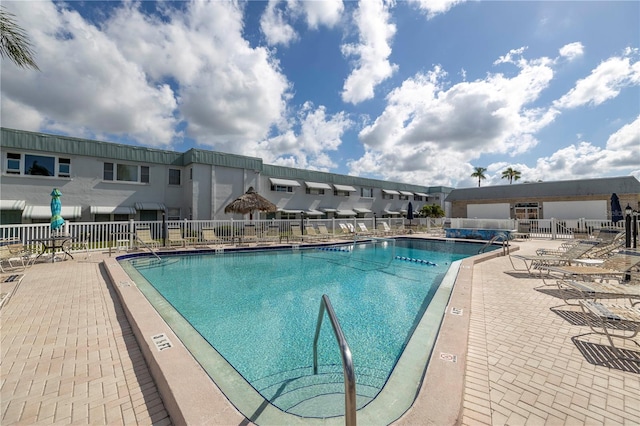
point(347, 362)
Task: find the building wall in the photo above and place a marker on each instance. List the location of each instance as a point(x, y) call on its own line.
point(208, 180)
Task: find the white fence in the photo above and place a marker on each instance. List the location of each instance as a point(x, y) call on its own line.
point(101, 235)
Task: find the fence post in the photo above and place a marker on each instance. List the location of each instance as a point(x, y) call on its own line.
point(132, 231)
point(554, 230)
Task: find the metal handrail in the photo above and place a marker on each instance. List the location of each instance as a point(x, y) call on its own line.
point(347, 362)
point(500, 236)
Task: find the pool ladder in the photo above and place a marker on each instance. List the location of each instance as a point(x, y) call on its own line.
point(347, 362)
point(500, 237)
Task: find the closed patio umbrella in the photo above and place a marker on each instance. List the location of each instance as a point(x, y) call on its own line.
point(249, 202)
point(616, 209)
point(410, 212)
point(56, 207)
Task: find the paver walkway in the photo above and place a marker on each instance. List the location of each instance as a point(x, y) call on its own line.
point(68, 352)
point(523, 367)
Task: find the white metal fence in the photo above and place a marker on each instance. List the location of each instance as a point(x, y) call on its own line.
point(101, 235)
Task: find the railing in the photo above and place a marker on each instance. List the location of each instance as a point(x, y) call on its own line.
point(347, 362)
point(500, 237)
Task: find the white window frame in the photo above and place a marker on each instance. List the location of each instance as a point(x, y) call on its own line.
point(139, 173)
point(58, 161)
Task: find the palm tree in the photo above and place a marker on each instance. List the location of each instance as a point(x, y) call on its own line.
point(479, 173)
point(511, 174)
point(14, 41)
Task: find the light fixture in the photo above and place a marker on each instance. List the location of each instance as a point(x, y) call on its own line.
point(628, 210)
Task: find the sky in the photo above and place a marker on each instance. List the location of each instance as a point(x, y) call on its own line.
point(415, 91)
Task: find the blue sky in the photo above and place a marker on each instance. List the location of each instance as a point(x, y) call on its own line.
point(413, 91)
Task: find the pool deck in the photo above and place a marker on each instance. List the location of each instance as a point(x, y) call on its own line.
point(70, 355)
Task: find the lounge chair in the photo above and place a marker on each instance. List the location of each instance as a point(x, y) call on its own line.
point(384, 228)
point(596, 290)
point(322, 230)
point(312, 234)
point(523, 231)
point(618, 266)
point(272, 235)
point(346, 231)
point(174, 237)
point(13, 257)
point(296, 233)
point(612, 321)
point(144, 236)
point(549, 258)
point(208, 236)
point(363, 229)
point(249, 234)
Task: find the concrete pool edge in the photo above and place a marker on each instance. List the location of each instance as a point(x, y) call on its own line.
point(177, 373)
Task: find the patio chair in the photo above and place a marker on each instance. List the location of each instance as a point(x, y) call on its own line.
point(612, 321)
point(346, 231)
point(209, 236)
point(296, 233)
point(384, 228)
point(363, 229)
point(322, 230)
point(272, 235)
point(144, 236)
point(15, 257)
point(597, 290)
point(312, 234)
point(523, 231)
point(618, 266)
point(249, 234)
point(537, 262)
point(174, 237)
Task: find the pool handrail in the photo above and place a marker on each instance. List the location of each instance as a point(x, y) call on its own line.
point(347, 361)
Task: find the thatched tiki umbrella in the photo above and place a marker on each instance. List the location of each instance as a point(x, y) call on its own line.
point(249, 202)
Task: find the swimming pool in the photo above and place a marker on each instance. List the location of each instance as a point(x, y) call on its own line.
point(380, 292)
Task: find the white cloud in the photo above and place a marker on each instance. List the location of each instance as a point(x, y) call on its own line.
point(319, 133)
point(85, 83)
point(325, 12)
point(604, 83)
point(274, 25)
point(572, 51)
point(372, 52)
point(425, 122)
point(435, 7)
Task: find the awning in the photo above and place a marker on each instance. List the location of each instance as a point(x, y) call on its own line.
point(422, 194)
point(318, 185)
point(313, 213)
point(112, 210)
point(12, 204)
point(403, 211)
point(44, 212)
point(361, 210)
point(346, 213)
point(330, 210)
point(390, 212)
point(289, 211)
point(149, 206)
point(409, 193)
point(390, 192)
point(283, 182)
point(345, 188)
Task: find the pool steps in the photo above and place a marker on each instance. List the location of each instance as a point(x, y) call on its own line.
point(302, 393)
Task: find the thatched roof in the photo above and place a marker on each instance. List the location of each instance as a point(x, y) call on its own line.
point(249, 202)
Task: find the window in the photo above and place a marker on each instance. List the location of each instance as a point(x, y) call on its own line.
point(281, 188)
point(315, 191)
point(125, 173)
point(13, 163)
point(173, 213)
point(366, 192)
point(341, 193)
point(403, 197)
point(37, 165)
point(174, 177)
point(386, 196)
point(64, 167)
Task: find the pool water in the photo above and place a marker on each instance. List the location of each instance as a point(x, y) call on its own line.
point(259, 310)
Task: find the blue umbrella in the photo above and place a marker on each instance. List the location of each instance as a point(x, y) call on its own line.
point(410, 212)
point(616, 209)
point(56, 207)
